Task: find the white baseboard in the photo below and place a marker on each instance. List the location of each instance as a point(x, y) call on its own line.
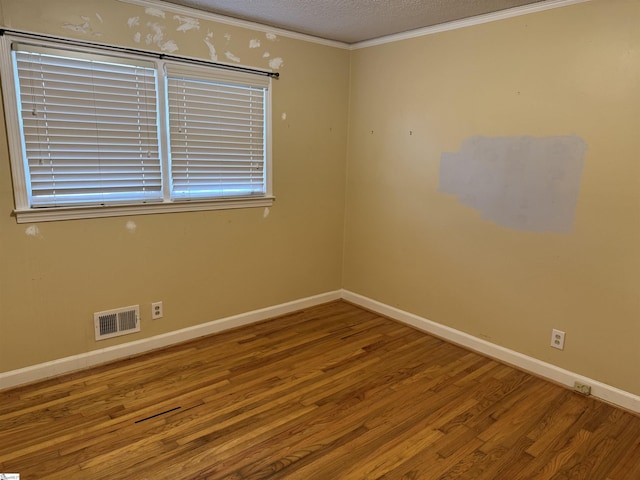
point(77, 362)
point(551, 372)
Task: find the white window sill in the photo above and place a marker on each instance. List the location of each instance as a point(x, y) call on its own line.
point(100, 211)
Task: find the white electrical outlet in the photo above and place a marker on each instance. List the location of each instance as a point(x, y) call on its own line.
point(156, 310)
point(557, 339)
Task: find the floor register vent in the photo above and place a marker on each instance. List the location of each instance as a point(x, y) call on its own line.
point(116, 322)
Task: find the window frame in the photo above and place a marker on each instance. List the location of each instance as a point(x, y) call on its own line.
point(26, 213)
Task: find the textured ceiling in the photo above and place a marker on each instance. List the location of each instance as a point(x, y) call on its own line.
point(351, 21)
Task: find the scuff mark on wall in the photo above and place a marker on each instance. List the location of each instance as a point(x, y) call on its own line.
point(266, 212)
point(99, 17)
point(276, 63)
point(266, 55)
point(131, 226)
point(154, 12)
point(284, 115)
point(137, 37)
point(232, 57)
point(212, 49)
point(254, 43)
point(525, 183)
point(271, 36)
point(186, 23)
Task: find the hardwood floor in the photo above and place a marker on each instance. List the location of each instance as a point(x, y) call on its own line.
point(332, 392)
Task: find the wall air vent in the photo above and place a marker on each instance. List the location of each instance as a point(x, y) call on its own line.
point(116, 322)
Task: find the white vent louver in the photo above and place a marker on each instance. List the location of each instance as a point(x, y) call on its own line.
point(116, 322)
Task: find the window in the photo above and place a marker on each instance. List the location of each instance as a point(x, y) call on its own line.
point(216, 133)
point(95, 133)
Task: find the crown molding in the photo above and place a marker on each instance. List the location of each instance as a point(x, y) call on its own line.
point(467, 22)
point(214, 17)
point(420, 32)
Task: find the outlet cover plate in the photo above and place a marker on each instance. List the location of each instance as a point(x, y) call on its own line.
point(557, 339)
point(156, 310)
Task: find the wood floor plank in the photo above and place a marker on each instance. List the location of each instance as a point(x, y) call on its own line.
point(329, 392)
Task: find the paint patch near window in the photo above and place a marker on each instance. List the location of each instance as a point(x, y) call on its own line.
point(33, 231)
point(212, 50)
point(131, 226)
point(158, 33)
point(232, 57)
point(186, 23)
point(525, 183)
point(284, 115)
point(137, 37)
point(157, 38)
point(266, 212)
point(84, 27)
point(154, 12)
point(266, 55)
point(272, 37)
point(133, 22)
point(254, 43)
point(169, 46)
point(276, 63)
point(227, 37)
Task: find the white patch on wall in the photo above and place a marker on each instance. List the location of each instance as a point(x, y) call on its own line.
point(266, 55)
point(227, 37)
point(186, 23)
point(284, 115)
point(154, 12)
point(525, 183)
point(266, 212)
point(271, 37)
point(131, 226)
point(133, 22)
point(232, 57)
point(99, 17)
point(137, 37)
point(33, 231)
point(84, 27)
point(169, 46)
point(212, 50)
point(276, 63)
point(157, 38)
point(254, 43)
point(158, 33)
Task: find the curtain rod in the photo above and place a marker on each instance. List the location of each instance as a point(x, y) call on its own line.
point(161, 56)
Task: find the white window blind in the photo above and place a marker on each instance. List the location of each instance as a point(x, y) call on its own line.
point(98, 131)
point(89, 127)
point(217, 133)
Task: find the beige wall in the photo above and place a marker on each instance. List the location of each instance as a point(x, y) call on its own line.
point(572, 71)
point(202, 265)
